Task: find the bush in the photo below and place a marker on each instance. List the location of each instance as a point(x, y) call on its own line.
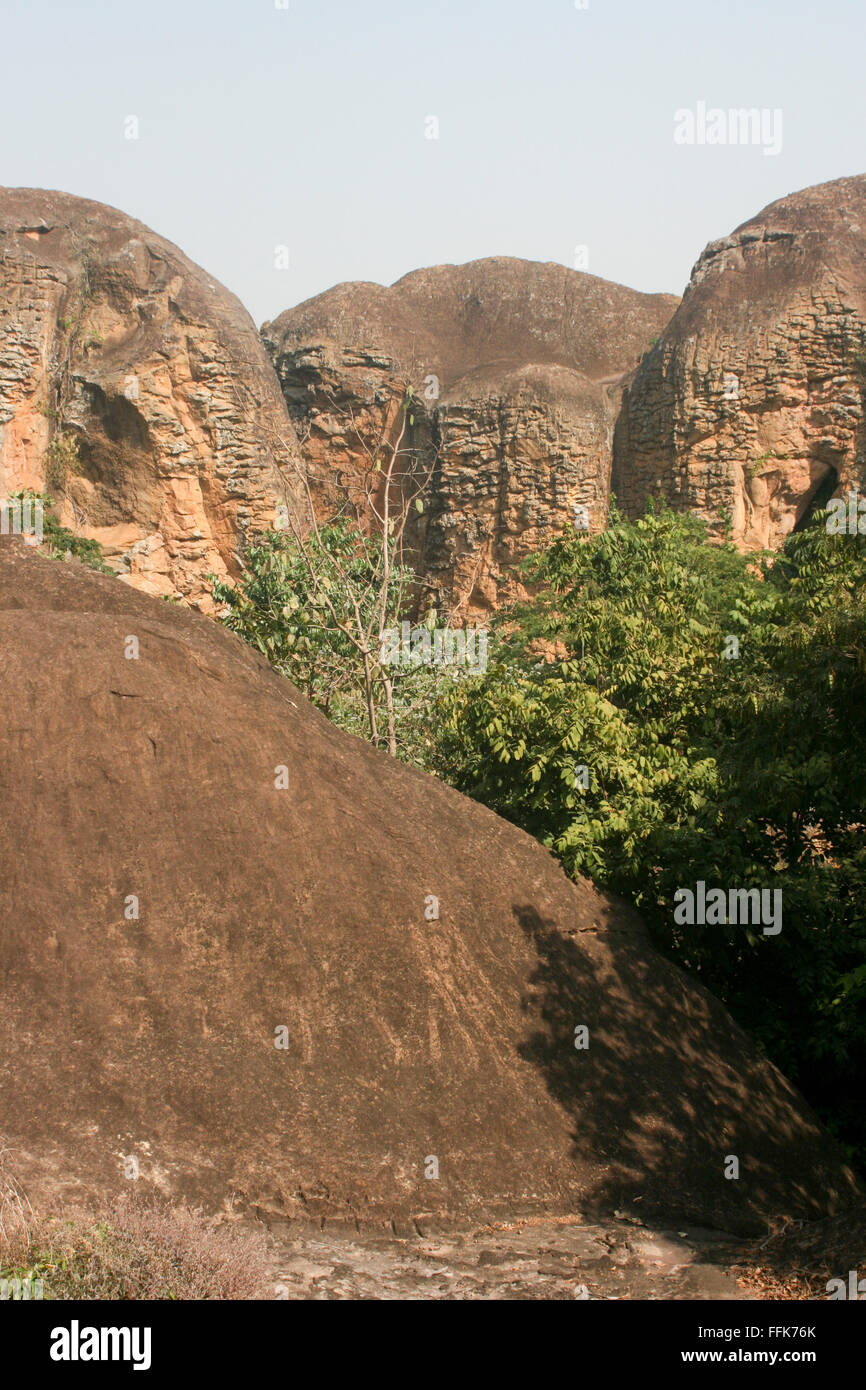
point(61, 459)
point(59, 540)
point(309, 607)
point(130, 1248)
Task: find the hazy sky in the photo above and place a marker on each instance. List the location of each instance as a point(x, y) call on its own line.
point(262, 126)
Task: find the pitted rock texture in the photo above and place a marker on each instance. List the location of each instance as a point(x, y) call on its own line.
point(135, 391)
point(750, 409)
point(515, 368)
point(298, 914)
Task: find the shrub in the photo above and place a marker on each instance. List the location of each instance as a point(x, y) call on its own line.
point(129, 1248)
point(59, 540)
point(61, 459)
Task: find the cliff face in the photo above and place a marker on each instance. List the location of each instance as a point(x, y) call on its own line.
point(751, 406)
point(514, 367)
point(273, 966)
point(135, 391)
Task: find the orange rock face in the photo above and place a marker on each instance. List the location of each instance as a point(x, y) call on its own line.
point(750, 409)
point(135, 391)
point(515, 368)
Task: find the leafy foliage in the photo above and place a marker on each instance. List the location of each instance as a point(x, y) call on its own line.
point(61, 459)
point(59, 540)
point(744, 770)
point(303, 608)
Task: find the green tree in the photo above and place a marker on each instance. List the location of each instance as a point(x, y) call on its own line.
point(321, 612)
point(666, 711)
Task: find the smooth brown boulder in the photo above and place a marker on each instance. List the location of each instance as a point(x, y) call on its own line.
point(750, 409)
point(515, 367)
point(310, 908)
point(134, 389)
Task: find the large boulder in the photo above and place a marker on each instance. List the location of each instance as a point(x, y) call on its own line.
point(515, 367)
point(134, 389)
point(168, 906)
point(750, 409)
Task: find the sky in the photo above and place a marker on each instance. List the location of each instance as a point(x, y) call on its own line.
point(288, 145)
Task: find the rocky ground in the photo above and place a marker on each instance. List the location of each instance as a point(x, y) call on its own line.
point(528, 1260)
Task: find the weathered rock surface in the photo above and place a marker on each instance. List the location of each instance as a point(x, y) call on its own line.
point(537, 1259)
point(751, 405)
point(166, 906)
point(519, 363)
point(134, 389)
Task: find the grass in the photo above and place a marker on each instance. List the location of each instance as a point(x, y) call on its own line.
point(128, 1248)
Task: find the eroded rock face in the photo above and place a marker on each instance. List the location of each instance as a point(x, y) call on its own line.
point(751, 406)
point(297, 997)
point(135, 391)
point(515, 368)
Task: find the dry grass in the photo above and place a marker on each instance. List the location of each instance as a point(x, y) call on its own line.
point(798, 1260)
point(130, 1248)
point(15, 1210)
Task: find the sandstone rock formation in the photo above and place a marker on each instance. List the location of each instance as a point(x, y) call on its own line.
point(515, 367)
point(133, 389)
point(168, 906)
point(751, 406)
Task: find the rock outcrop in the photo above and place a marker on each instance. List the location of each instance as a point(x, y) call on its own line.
point(135, 391)
point(244, 957)
point(750, 409)
point(515, 368)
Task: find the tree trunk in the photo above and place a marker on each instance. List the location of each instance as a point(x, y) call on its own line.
point(371, 704)
point(392, 726)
